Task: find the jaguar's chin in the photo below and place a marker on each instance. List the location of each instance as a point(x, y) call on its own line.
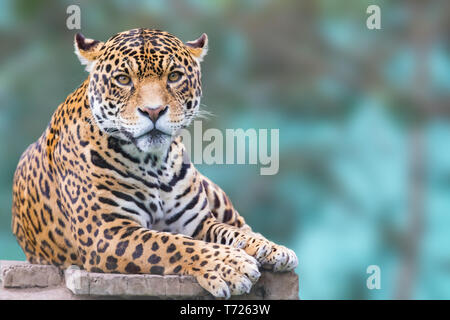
point(153, 141)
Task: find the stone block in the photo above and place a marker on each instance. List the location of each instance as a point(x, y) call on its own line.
point(21, 274)
point(77, 280)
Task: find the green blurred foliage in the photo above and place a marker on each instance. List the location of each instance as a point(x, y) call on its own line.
point(346, 100)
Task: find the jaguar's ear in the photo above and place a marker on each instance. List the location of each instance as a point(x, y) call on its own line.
point(198, 47)
point(87, 50)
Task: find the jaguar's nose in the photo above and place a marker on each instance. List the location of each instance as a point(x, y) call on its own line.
point(154, 113)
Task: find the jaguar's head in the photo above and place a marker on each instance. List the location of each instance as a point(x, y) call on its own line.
point(144, 85)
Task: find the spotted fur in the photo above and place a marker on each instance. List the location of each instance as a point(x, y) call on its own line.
point(109, 186)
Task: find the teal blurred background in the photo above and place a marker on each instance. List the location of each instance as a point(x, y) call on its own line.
point(363, 116)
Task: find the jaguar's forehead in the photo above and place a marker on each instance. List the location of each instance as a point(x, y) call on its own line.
point(151, 50)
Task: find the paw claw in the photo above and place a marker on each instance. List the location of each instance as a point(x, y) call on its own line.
point(271, 256)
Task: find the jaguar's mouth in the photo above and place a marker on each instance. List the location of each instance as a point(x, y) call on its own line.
point(153, 134)
point(150, 140)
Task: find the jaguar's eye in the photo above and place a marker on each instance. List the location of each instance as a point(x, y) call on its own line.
point(123, 79)
point(174, 76)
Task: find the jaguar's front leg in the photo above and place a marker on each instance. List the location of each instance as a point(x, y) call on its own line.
point(269, 254)
point(229, 227)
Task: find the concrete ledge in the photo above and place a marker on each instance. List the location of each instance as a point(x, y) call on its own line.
point(21, 274)
point(21, 280)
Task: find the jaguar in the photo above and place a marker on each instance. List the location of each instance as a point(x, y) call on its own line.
point(109, 186)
